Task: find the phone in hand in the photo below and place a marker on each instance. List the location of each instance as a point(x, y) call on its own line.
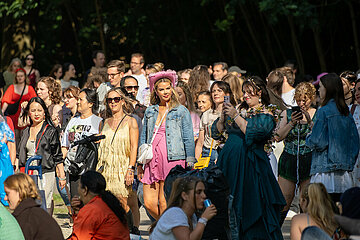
point(226, 99)
point(296, 109)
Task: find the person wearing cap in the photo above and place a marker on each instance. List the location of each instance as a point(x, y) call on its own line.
point(237, 70)
point(220, 69)
point(18, 91)
point(173, 143)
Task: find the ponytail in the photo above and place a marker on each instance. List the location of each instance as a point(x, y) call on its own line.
point(115, 205)
point(95, 183)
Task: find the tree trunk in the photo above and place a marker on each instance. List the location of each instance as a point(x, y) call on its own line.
point(278, 43)
point(244, 12)
point(296, 46)
point(354, 28)
point(268, 40)
point(232, 45)
point(184, 32)
point(217, 43)
point(100, 25)
point(319, 48)
point(77, 42)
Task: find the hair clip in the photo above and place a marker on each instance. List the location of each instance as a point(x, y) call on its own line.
point(253, 83)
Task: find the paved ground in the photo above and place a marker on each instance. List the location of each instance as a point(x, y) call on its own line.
point(61, 216)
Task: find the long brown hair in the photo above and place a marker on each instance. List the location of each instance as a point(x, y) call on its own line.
point(180, 185)
point(189, 100)
point(334, 90)
point(199, 80)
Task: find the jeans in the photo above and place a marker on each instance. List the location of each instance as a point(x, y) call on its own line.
point(206, 152)
point(313, 232)
point(63, 193)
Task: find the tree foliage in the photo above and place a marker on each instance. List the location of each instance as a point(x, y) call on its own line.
point(257, 35)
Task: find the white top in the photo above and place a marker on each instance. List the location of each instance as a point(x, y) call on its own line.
point(334, 182)
point(356, 171)
point(77, 129)
point(102, 91)
point(207, 119)
point(171, 218)
point(288, 98)
point(142, 82)
point(66, 84)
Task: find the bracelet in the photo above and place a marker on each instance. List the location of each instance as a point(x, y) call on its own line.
point(131, 167)
point(203, 221)
point(62, 179)
point(236, 116)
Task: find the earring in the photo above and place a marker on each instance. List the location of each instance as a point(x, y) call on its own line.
point(259, 100)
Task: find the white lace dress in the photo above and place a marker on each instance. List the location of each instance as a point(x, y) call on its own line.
point(356, 171)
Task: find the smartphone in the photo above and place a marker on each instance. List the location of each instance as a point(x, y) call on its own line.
point(226, 99)
point(296, 109)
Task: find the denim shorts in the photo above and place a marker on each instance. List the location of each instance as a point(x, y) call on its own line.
point(214, 154)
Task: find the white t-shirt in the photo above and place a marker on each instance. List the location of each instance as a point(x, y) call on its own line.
point(289, 99)
point(171, 218)
point(66, 84)
point(77, 129)
point(142, 82)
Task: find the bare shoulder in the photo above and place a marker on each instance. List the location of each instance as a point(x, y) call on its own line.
point(132, 121)
point(298, 219)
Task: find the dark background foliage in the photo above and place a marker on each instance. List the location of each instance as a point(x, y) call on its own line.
point(257, 35)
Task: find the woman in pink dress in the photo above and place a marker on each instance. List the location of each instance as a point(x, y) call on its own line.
point(173, 144)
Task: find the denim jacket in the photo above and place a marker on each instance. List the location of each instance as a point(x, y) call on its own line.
point(179, 132)
point(334, 139)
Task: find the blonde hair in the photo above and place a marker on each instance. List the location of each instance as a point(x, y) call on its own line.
point(305, 89)
point(54, 89)
point(320, 206)
point(23, 184)
point(72, 91)
point(156, 67)
point(127, 106)
point(235, 83)
point(9, 69)
point(154, 98)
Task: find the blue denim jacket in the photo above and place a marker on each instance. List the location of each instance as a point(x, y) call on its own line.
point(179, 132)
point(334, 139)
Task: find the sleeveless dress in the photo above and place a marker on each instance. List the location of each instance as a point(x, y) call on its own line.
point(257, 198)
point(115, 158)
point(6, 168)
point(159, 167)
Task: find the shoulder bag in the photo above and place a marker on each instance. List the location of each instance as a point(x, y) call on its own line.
point(145, 153)
point(12, 108)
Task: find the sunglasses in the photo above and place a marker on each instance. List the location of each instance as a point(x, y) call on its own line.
point(30, 59)
point(129, 88)
point(115, 99)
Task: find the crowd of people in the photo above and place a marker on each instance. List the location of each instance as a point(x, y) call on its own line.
point(109, 146)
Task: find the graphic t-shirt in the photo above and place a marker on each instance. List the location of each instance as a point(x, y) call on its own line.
point(76, 130)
